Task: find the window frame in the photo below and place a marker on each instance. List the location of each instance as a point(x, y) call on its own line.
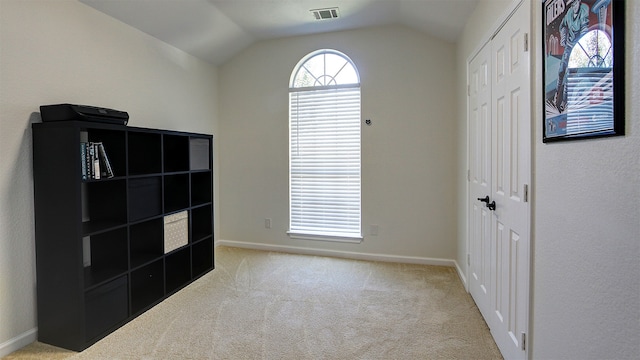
point(327, 234)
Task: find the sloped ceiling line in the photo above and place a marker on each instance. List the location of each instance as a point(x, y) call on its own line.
point(215, 30)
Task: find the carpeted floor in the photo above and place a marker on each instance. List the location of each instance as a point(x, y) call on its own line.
point(267, 305)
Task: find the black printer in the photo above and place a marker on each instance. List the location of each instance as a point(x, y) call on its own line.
point(62, 112)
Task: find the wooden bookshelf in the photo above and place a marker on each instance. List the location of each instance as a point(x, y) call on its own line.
point(100, 253)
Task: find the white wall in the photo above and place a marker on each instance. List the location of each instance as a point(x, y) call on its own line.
point(408, 153)
point(586, 288)
point(65, 51)
point(586, 226)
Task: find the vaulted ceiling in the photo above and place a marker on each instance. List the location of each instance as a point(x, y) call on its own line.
point(215, 30)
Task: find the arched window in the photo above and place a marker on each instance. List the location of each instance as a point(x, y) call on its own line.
point(590, 84)
point(592, 50)
point(324, 148)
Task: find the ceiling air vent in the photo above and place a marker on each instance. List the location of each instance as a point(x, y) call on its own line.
point(325, 14)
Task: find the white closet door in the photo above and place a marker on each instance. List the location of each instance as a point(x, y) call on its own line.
point(480, 178)
point(511, 158)
point(499, 114)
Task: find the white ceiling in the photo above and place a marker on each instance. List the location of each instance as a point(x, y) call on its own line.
point(215, 30)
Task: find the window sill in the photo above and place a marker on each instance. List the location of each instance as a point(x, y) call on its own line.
point(326, 237)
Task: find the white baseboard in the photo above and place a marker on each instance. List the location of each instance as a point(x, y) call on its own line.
point(18, 342)
point(335, 253)
point(461, 275)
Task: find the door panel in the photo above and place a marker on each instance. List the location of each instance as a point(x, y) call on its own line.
point(480, 179)
point(511, 142)
point(500, 167)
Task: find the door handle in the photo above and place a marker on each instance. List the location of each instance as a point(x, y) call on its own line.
point(484, 199)
point(491, 205)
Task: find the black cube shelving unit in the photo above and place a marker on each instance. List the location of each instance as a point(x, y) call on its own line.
point(101, 244)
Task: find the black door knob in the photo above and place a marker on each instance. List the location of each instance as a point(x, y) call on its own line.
point(492, 205)
point(484, 199)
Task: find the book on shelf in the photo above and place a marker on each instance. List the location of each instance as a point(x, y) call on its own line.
point(83, 160)
point(90, 158)
point(106, 164)
point(95, 161)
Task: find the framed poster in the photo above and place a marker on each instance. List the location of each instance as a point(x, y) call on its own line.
point(583, 64)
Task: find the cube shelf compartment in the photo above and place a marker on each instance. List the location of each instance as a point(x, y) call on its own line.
point(100, 243)
point(147, 286)
point(145, 242)
point(108, 256)
point(199, 154)
point(178, 271)
point(202, 223)
point(144, 152)
point(105, 205)
point(200, 189)
point(106, 307)
point(176, 153)
point(145, 197)
point(201, 262)
point(176, 192)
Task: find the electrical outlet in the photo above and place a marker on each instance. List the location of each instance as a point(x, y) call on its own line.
point(267, 223)
point(373, 230)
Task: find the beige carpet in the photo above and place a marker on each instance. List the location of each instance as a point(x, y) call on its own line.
point(267, 305)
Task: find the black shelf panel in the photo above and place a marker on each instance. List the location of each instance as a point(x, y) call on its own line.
point(145, 156)
point(147, 286)
point(107, 256)
point(178, 269)
point(104, 204)
point(201, 188)
point(115, 178)
point(175, 153)
point(96, 227)
point(143, 176)
point(146, 242)
point(96, 276)
point(201, 222)
point(202, 257)
point(106, 306)
point(145, 197)
point(176, 192)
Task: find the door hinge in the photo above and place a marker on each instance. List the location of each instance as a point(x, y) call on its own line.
point(526, 42)
point(468, 90)
point(468, 259)
point(524, 341)
point(468, 174)
point(526, 192)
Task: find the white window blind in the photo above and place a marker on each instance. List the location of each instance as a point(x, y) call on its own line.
point(325, 161)
point(590, 85)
